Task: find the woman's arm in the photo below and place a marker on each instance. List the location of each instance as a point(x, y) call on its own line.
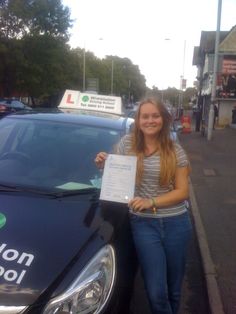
point(178, 194)
point(180, 191)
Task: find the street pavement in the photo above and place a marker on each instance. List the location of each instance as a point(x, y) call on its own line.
point(213, 208)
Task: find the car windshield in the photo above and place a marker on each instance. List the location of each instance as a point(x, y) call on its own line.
point(52, 156)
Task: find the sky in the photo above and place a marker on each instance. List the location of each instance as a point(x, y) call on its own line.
point(157, 35)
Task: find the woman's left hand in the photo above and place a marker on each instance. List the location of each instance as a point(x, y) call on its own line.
point(138, 204)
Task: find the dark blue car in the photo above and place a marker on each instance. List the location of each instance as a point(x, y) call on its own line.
point(62, 250)
point(8, 106)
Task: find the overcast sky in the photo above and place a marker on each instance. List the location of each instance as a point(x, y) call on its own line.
point(139, 29)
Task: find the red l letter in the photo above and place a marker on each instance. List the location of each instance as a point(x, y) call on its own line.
point(69, 100)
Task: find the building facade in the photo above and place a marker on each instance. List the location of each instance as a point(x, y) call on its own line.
point(203, 58)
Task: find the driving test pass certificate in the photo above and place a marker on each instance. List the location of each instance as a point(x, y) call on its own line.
point(118, 180)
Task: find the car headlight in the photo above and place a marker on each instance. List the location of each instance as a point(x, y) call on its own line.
point(90, 291)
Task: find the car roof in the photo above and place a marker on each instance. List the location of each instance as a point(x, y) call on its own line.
point(86, 117)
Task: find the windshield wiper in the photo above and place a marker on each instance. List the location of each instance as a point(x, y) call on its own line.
point(15, 188)
point(55, 194)
point(88, 191)
point(10, 188)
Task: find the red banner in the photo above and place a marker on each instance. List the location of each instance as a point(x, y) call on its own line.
point(226, 80)
point(229, 66)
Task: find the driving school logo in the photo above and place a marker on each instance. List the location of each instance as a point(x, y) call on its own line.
point(17, 261)
point(85, 98)
point(2, 220)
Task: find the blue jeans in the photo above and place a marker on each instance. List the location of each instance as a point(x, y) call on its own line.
point(161, 245)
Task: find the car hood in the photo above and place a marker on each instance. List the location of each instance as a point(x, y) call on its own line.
point(39, 237)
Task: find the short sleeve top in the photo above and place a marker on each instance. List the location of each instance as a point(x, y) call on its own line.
point(150, 186)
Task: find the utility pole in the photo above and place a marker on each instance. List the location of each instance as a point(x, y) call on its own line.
point(215, 70)
point(112, 75)
point(182, 85)
point(184, 58)
point(84, 67)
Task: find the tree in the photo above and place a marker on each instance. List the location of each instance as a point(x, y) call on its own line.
point(189, 93)
point(33, 38)
point(34, 17)
point(127, 79)
point(36, 60)
point(74, 72)
point(45, 66)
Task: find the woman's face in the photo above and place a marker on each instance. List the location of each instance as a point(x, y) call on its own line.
point(150, 120)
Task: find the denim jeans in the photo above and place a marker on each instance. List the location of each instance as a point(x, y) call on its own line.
point(161, 245)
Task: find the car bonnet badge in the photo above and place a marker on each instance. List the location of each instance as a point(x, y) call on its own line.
point(2, 220)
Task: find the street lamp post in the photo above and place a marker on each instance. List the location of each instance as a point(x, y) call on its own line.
point(182, 84)
point(112, 70)
point(84, 70)
point(84, 67)
point(213, 89)
point(112, 75)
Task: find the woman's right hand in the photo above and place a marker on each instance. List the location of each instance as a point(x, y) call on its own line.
point(100, 159)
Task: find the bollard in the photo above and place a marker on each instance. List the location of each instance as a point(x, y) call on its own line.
point(186, 124)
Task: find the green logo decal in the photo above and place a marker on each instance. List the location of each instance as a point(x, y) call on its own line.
point(2, 220)
point(85, 98)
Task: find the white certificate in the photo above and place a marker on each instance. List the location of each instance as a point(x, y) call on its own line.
point(118, 180)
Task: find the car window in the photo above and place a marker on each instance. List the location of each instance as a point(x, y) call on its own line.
point(17, 104)
point(13, 104)
point(52, 155)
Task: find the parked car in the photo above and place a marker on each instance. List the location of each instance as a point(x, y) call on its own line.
point(8, 106)
point(62, 250)
point(131, 114)
point(129, 105)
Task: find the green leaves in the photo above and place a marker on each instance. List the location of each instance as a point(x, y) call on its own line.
point(35, 17)
point(33, 46)
point(36, 60)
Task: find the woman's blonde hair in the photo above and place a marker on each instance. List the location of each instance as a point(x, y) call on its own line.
point(166, 145)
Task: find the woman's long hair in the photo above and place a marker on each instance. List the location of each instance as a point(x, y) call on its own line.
point(166, 145)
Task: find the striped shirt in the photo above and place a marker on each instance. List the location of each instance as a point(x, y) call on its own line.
point(150, 186)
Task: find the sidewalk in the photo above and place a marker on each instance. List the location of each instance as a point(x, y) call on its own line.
point(213, 200)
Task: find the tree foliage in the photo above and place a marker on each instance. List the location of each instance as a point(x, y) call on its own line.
point(33, 46)
point(44, 67)
point(174, 96)
point(127, 79)
point(37, 61)
point(34, 17)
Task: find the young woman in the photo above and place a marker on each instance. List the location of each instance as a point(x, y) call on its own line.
point(159, 219)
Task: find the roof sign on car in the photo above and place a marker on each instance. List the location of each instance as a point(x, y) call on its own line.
point(76, 100)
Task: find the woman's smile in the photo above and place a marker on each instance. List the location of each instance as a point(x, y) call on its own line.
point(150, 120)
